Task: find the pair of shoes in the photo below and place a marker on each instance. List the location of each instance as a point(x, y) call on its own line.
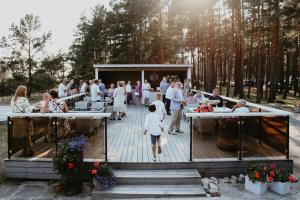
point(171, 132)
point(114, 118)
point(119, 118)
point(159, 150)
point(179, 131)
point(168, 113)
point(154, 158)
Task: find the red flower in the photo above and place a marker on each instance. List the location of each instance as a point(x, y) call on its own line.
point(273, 166)
point(94, 172)
point(272, 173)
point(96, 164)
point(257, 175)
point(270, 178)
point(292, 179)
point(205, 110)
point(71, 165)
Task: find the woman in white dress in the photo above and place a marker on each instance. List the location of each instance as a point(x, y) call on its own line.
point(146, 92)
point(119, 98)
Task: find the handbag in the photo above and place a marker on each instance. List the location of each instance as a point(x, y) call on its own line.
point(136, 93)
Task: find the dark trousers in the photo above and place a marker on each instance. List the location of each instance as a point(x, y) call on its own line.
point(129, 98)
point(164, 98)
point(167, 105)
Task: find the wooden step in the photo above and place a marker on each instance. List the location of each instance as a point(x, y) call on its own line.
point(162, 177)
point(149, 191)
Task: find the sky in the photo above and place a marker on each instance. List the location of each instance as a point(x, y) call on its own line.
point(58, 16)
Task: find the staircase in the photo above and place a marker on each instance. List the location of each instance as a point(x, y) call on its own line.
point(153, 184)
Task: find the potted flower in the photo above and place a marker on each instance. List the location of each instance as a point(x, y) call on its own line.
point(280, 180)
point(103, 176)
point(68, 162)
point(256, 178)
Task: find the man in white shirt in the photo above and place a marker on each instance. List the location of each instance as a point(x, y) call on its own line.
point(95, 91)
point(62, 89)
point(240, 107)
point(170, 92)
point(160, 106)
point(153, 126)
point(83, 88)
point(128, 90)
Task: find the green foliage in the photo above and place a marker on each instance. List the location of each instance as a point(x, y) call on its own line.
point(257, 173)
point(24, 45)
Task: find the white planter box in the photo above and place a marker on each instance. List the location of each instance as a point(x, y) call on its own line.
point(281, 188)
point(257, 188)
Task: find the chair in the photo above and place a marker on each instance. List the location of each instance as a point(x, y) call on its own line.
point(81, 105)
point(97, 106)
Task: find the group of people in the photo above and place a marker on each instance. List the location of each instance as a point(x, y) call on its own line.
point(174, 97)
point(50, 103)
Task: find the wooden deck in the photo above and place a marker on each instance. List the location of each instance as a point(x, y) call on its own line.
point(128, 144)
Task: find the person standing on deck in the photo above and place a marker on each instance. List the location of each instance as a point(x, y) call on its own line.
point(119, 98)
point(102, 89)
point(177, 103)
point(62, 89)
point(160, 106)
point(163, 86)
point(170, 91)
point(146, 92)
point(154, 127)
point(95, 91)
point(128, 89)
point(138, 92)
point(23, 125)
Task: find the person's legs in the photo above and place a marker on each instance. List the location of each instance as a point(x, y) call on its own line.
point(178, 121)
point(158, 145)
point(173, 121)
point(168, 104)
point(153, 145)
point(164, 98)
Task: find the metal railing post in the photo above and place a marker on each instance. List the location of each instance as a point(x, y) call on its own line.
point(105, 135)
point(259, 128)
point(240, 123)
point(55, 133)
point(287, 142)
point(9, 151)
point(191, 139)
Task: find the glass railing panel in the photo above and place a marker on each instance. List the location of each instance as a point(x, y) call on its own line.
point(264, 136)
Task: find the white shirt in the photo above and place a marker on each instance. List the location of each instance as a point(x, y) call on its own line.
point(62, 90)
point(170, 92)
point(153, 124)
point(83, 87)
point(128, 88)
point(242, 110)
point(95, 92)
point(160, 108)
point(146, 86)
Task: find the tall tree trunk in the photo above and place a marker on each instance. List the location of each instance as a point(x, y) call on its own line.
point(275, 52)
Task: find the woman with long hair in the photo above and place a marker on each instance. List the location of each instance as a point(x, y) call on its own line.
point(56, 105)
point(22, 127)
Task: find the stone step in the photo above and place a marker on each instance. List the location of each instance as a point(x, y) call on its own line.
point(149, 191)
point(162, 177)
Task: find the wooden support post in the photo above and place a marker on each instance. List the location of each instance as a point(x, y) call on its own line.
point(191, 139)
